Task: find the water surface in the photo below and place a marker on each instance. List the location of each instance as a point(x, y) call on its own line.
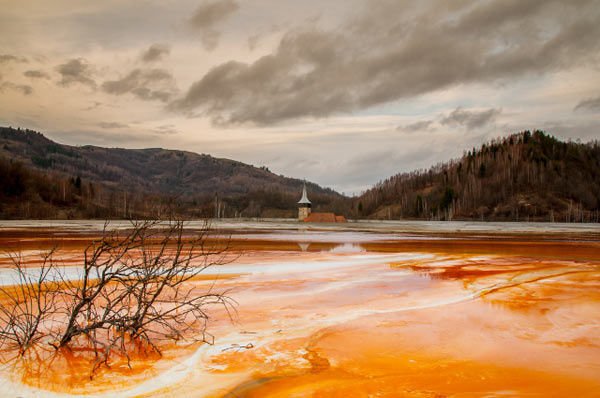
point(413, 310)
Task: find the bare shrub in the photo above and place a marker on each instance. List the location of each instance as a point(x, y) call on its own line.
point(28, 304)
point(135, 289)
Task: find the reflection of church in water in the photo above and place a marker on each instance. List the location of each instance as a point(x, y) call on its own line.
point(305, 214)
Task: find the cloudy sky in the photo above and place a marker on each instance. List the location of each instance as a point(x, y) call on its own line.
point(344, 93)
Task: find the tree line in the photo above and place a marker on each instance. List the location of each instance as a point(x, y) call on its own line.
point(27, 193)
point(46, 180)
point(525, 176)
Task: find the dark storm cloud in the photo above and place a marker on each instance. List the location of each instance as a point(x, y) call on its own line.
point(253, 42)
point(93, 106)
point(167, 129)
point(209, 14)
point(36, 74)
point(76, 71)
point(469, 119)
point(155, 52)
point(591, 104)
point(462, 118)
point(22, 88)
point(422, 125)
point(394, 51)
point(147, 85)
point(6, 58)
point(112, 125)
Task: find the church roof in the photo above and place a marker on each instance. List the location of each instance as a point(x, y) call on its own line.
point(304, 199)
point(324, 217)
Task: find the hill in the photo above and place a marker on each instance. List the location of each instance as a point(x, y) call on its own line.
point(45, 179)
point(526, 176)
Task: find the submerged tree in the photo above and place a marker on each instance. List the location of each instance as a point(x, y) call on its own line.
point(27, 306)
point(134, 290)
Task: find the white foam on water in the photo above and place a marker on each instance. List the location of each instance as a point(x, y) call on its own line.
point(320, 264)
point(191, 365)
point(9, 276)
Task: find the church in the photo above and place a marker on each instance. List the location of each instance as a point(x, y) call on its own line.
point(305, 214)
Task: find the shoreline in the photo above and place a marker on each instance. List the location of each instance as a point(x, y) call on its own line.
point(385, 226)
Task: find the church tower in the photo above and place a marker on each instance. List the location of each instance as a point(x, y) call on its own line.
point(304, 205)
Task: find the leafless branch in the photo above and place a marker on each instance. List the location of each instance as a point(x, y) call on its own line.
point(136, 288)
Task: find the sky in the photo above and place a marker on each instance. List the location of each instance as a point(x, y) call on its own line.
point(343, 93)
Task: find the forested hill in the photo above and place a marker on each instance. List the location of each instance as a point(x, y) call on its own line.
point(45, 179)
point(526, 176)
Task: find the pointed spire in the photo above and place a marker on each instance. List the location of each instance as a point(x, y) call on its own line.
point(304, 199)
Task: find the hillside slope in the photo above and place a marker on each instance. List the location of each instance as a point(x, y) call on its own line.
point(120, 178)
point(157, 170)
point(521, 177)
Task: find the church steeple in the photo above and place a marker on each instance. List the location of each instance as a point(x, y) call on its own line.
point(304, 199)
point(304, 205)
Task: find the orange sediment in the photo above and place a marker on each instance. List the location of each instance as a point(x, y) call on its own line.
point(461, 317)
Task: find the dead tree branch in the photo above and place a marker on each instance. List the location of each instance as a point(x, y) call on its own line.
point(135, 289)
point(28, 304)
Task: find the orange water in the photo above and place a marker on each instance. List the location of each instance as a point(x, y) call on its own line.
point(461, 317)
